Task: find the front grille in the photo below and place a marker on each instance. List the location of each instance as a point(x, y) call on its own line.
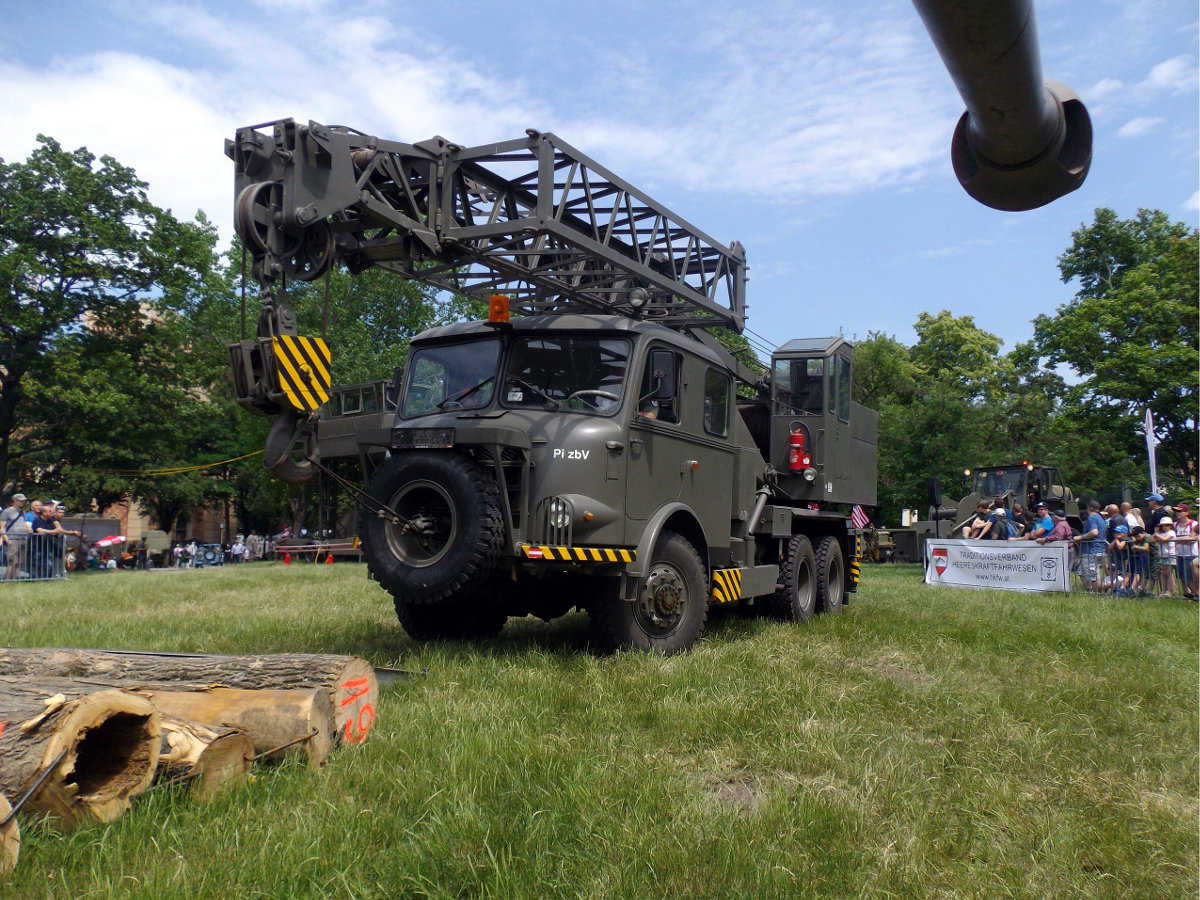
point(547, 533)
point(512, 464)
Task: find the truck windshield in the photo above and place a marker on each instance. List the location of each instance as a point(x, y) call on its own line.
point(994, 482)
point(449, 377)
point(577, 373)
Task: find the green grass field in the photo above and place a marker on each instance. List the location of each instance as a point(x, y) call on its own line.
point(928, 742)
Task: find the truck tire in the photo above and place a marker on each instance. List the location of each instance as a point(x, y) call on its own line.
point(796, 600)
point(831, 575)
point(455, 505)
point(672, 606)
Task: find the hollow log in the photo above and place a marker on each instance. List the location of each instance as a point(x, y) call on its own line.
point(10, 838)
point(278, 722)
point(97, 749)
point(203, 757)
point(349, 680)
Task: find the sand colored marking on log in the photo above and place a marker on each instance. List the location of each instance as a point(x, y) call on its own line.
point(272, 718)
point(10, 839)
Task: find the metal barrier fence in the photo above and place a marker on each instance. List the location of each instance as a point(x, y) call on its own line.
point(33, 557)
point(1155, 571)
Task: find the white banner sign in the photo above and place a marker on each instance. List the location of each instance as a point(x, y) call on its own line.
point(1002, 565)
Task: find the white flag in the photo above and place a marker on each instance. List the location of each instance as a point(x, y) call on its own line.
point(1151, 441)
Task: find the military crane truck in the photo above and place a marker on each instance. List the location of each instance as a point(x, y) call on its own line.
point(591, 444)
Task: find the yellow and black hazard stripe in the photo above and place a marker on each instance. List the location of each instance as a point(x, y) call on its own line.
point(856, 559)
point(726, 585)
point(302, 370)
point(548, 553)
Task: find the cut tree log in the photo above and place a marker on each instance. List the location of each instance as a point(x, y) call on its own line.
point(349, 680)
point(10, 838)
point(206, 759)
point(278, 722)
point(101, 748)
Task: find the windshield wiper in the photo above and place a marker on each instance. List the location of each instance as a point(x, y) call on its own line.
point(464, 394)
point(520, 382)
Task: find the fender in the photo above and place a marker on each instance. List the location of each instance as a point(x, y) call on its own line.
point(639, 568)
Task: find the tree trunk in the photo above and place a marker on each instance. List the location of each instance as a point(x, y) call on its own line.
point(205, 758)
point(10, 839)
point(278, 722)
point(109, 739)
point(349, 681)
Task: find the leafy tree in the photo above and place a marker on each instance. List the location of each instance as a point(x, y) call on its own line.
point(86, 262)
point(1130, 335)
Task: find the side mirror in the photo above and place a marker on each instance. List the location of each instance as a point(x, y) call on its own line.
point(662, 368)
point(392, 393)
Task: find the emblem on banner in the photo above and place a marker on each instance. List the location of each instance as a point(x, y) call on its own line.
point(941, 559)
point(1049, 570)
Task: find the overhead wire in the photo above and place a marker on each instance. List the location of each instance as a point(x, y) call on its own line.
point(178, 470)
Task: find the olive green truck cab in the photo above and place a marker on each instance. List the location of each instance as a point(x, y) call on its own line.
point(607, 463)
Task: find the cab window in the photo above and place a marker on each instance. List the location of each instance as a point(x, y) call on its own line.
point(843, 391)
point(799, 386)
point(716, 402)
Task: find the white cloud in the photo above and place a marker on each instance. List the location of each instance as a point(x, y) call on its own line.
point(1175, 75)
point(1139, 126)
point(1105, 88)
point(1193, 202)
point(801, 105)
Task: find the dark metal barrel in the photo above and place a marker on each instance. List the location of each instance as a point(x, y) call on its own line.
point(1022, 142)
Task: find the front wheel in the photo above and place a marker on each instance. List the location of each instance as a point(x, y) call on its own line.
point(445, 539)
point(671, 608)
point(831, 576)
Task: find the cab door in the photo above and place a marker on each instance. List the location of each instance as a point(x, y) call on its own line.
point(680, 449)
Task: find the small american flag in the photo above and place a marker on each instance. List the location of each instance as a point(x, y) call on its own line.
point(858, 517)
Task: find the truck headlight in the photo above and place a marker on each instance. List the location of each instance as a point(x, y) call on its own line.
point(560, 513)
point(810, 474)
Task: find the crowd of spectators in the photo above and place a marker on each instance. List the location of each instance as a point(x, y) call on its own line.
point(1122, 550)
point(33, 539)
point(34, 545)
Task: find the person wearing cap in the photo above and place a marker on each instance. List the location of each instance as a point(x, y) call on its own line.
point(1187, 563)
point(1060, 531)
point(1150, 520)
point(998, 523)
point(1091, 547)
point(1042, 525)
point(10, 549)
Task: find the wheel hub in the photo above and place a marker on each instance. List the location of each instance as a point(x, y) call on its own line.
point(664, 597)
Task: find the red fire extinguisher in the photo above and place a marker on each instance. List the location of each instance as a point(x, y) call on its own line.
point(798, 456)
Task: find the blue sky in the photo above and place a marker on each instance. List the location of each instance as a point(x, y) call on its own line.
point(816, 133)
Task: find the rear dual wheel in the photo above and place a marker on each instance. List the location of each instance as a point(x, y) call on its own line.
point(796, 599)
point(831, 575)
